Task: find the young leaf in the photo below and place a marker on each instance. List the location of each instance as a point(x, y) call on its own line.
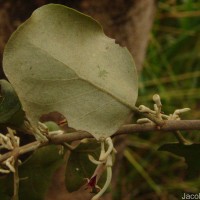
point(189, 152)
point(65, 63)
point(10, 107)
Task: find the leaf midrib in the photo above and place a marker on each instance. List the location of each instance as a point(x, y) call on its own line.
point(81, 78)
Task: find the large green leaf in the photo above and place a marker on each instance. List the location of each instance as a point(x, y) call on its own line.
point(10, 107)
point(35, 175)
point(191, 154)
point(60, 60)
point(37, 171)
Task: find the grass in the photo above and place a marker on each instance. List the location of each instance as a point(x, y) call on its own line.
point(171, 69)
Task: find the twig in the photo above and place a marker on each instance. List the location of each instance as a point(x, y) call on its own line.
point(154, 119)
point(168, 126)
point(16, 172)
point(180, 138)
point(16, 182)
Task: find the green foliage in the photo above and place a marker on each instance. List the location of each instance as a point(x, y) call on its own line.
point(171, 69)
point(172, 62)
point(34, 175)
point(37, 171)
point(52, 126)
point(65, 63)
point(10, 107)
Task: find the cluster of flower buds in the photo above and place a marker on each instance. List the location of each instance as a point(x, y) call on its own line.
point(9, 142)
point(175, 115)
point(157, 111)
point(105, 162)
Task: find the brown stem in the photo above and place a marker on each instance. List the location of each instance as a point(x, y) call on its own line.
point(16, 182)
point(168, 126)
point(16, 173)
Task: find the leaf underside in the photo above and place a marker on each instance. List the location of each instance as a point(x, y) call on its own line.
point(60, 60)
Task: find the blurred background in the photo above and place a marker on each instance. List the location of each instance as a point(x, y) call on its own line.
point(164, 38)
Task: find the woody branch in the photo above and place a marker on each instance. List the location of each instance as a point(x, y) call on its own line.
point(167, 126)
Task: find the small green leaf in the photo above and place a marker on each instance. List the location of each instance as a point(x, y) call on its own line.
point(52, 126)
point(36, 172)
point(65, 63)
point(191, 154)
point(80, 167)
point(10, 107)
